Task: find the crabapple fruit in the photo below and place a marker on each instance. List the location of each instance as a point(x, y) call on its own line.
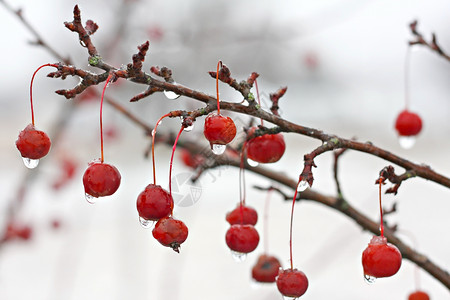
point(380, 258)
point(101, 179)
point(170, 232)
point(33, 143)
point(292, 283)
point(267, 148)
point(154, 203)
point(408, 123)
point(266, 268)
point(250, 216)
point(242, 238)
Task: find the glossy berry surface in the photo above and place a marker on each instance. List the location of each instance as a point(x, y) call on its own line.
point(380, 258)
point(33, 143)
point(242, 238)
point(419, 295)
point(408, 123)
point(266, 268)
point(170, 233)
point(154, 203)
point(219, 130)
point(250, 216)
point(267, 148)
point(101, 179)
point(292, 283)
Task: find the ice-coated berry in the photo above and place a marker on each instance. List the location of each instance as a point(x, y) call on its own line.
point(101, 179)
point(219, 130)
point(154, 203)
point(235, 216)
point(170, 232)
point(242, 238)
point(292, 283)
point(380, 258)
point(266, 268)
point(33, 143)
point(267, 148)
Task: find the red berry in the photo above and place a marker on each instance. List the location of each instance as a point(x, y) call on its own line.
point(15, 231)
point(419, 295)
point(266, 268)
point(219, 130)
point(381, 259)
point(267, 148)
point(101, 179)
point(189, 159)
point(33, 143)
point(170, 233)
point(249, 213)
point(292, 283)
point(408, 123)
point(242, 238)
point(154, 203)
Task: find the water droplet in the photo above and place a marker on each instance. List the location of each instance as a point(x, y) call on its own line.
point(289, 298)
point(189, 128)
point(238, 256)
point(245, 102)
point(146, 223)
point(302, 185)
point(369, 279)
point(252, 162)
point(30, 163)
point(407, 142)
point(90, 199)
point(171, 95)
point(218, 149)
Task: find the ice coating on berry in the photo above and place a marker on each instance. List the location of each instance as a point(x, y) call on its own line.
point(267, 148)
point(380, 258)
point(266, 268)
point(242, 238)
point(249, 213)
point(219, 130)
point(408, 123)
point(33, 143)
point(419, 295)
point(170, 232)
point(101, 179)
point(292, 283)
point(154, 203)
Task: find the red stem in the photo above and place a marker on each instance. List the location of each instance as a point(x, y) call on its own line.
point(217, 86)
point(259, 101)
point(171, 159)
point(101, 113)
point(381, 209)
point(153, 146)
point(31, 88)
point(292, 221)
point(242, 190)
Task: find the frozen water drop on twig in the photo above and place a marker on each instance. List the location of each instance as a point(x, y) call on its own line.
point(189, 128)
point(30, 163)
point(407, 142)
point(252, 162)
point(238, 256)
point(89, 198)
point(171, 95)
point(302, 185)
point(218, 149)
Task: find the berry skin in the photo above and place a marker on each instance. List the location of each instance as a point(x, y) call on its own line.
point(219, 130)
point(249, 213)
point(266, 268)
point(170, 233)
point(408, 123)
point(33, 143)
point(154, 203)
point(101, 179)
point(419, 295)
point(242, 238)
point(267, 148)
point(292, 283)
point(380, 258)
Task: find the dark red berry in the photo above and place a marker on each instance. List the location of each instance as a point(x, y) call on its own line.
point(381, 259)
point(190, 159)
point(249, 213)
point(101, 179)
point(242, 238)
point(292, 283)
point(33, 143)
point(419, 295)
point(219, 130)
point(408, 123)
point(267, 148)
point(170, 233)
point(17, 231)
point(266, 268)
point(154, 203)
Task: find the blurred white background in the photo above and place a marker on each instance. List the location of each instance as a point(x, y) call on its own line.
point(343, 63)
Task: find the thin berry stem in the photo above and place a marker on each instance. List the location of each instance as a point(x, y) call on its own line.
point(292, 222)
point(31, 88)
point(407, 76)
point(101, 114)
point(242, 190)
point(217, 86)
point(381, 208)
point(259, 100)
point(153, 146)
point(171, 158)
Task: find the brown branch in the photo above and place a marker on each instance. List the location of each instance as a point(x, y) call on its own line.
point(420, 40)
point(275, 97)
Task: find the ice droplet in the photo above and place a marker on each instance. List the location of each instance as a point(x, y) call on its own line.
point(245, 102)
point(146, 223)
point(407, 142)
point(252, 162)
point(302, 185)
point(189, 128)
point(369, 279)
point(238, 256)
point(218, 149)
point(289, 298)
point(30, 163)
point(171, 95)
point(90, 199)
